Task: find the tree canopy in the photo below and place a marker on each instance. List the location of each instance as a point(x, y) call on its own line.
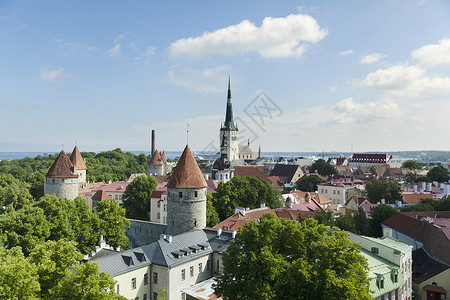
point(283, 259)
point(244, 192)
point(309, 183)
point(323, 168)
point(380, 189)
point(378, 215)
point(412, 165)
point(136, 199)
point(439, 174)
point(429, 205)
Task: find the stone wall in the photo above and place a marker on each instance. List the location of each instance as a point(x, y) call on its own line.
point(185, 213)
point(143, 233)
point(62, 187)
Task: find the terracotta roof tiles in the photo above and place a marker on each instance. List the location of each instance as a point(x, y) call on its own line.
point(100, 195)
point(156, 159)
point(61, 168)
point(77, 160)
point(187, 174)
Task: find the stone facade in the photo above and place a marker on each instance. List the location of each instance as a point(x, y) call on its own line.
point(156, 170)
point(186, 210)
point(62, 187)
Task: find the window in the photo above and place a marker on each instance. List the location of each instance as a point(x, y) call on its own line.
point(158, 204)
point(218, 265)
point(200, 269)
point(145, 296)
point(164, 207)
point(334, 192)
point(381, 283)
point(116, 197)
point(133, 283)
point(155, 296)
point(196, 194)
point(158, 216)
point(208, 265)
point(180, 194)
point(395, 278)
point(145, 278)
point(155, 277)
point(339, 192)
point(374, 250)
point(191, 271)
point(137, 298)
point(183, 274)
point(195, 222)
point(321, 190)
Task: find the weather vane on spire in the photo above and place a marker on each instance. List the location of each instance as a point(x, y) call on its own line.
point(187, 133)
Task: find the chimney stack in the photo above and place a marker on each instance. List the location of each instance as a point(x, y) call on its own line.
point(153, 142)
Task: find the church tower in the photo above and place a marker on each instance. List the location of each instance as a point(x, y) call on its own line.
point(222, 171)
point(229, 130)
point(186, 196)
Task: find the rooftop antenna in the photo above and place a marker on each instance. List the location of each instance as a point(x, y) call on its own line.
point(62, 147)
point(187, 133)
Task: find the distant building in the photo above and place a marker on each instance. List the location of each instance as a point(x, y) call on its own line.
point(288, 174)
point(368, 159)
point(338, 190)
point(158, 164)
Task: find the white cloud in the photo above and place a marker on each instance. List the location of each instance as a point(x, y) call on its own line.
point(200, 80)
point(406, 81)
point(49, 75)
point(433, 54)
point(371, 58)
point(114, 52)
point(275, 38)
point(347, 52)
point(19, 105)
point(349, 111)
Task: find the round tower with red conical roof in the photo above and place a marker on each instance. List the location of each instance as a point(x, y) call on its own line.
point(62, 178)
point(186, 196)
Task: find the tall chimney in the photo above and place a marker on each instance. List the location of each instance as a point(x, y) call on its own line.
point(153, 141)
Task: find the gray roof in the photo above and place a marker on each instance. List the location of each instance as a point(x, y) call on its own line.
point(197, 243)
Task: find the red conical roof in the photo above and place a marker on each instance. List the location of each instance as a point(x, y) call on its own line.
point(100, 195)
point(163, 157)
point(186, 174)
point(77, 160)
point(61, 168)
point(156, 159)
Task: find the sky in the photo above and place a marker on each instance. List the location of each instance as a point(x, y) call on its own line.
point(305, 75)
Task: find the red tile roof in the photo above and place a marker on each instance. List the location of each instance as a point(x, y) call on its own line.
point(61, 168)
point(100, 195)
point(415, 198)
point(251, 171)
point(187, 174)
point(156, 159)
point(77, 160)
point(163, 157)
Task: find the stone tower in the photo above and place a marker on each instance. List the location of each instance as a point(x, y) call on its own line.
point(157, 164)
point(222, 171)
point(77, 161)
point(229, 130)
point(186, 196)
point(62, 178)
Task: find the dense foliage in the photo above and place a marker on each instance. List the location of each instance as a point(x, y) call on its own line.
point(309, 183)
point(244, 192)
point(439, 174)
point(111, 165)
point(358, 223)
point(378, 214)
point(136, 198)
point(429, 205)
point(323, 168)
point(380, 189)
point(412, 165)
point(283, 259)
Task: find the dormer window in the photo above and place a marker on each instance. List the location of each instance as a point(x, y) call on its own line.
point(374, 250)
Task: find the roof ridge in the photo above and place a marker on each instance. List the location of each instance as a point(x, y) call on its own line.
point(62, 167)
point(77, 159)
point(187, 174)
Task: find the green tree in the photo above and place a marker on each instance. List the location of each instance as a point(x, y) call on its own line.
point(412, 165)
point(212, 218)
point(244, 192)
point(54, 260)
point(18, 277)
point(378, 215)
point(346, 222)
point(323, 168)
point(309, 183)
point(136, 199)
point(439, 174)
point(380, 189)
point(14, 194)
point(283, 259)
point(85, 282)
point(112, 223)
point(324, 217)
point(361, 222)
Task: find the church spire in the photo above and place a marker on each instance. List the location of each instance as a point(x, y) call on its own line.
point(229, 123)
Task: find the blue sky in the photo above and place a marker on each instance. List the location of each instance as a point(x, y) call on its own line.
point(375, 74)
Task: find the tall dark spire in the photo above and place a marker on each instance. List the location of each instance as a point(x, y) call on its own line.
point(229, 123)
